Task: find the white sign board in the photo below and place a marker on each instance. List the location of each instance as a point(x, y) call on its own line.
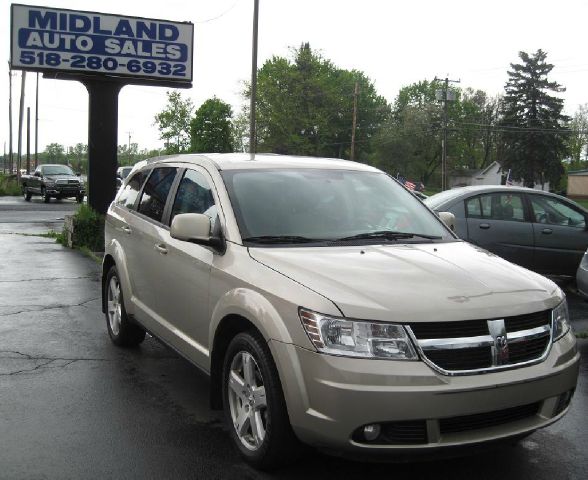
point(52, 39)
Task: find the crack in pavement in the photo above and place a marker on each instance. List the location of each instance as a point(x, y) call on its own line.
point(44, 308)
point(47, 361)
point(93, 276)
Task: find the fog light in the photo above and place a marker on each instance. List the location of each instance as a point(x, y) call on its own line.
point(371, 432)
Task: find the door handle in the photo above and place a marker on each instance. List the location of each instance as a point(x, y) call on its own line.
point(126, 229)
point(484, 226)
point(161, 248)
point(547, 231)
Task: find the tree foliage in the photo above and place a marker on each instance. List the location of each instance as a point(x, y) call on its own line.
point(210, 129)
point(578, 138)
point(174, 122)
point(533, 142)
point(410, 141)
point(305, 107)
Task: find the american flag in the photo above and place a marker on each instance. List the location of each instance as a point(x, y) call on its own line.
point(408, 184)
point(508, 180)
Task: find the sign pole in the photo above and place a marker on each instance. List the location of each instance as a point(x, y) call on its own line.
point(102, 142)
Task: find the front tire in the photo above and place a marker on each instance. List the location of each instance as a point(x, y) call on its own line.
point(121, 330)
point(254, 405)
point(80, 198)
point(46, 197)
point(27, 194)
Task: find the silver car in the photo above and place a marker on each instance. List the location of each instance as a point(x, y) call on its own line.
point(331, 307)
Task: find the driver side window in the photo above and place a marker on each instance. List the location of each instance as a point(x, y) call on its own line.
point(552, 211)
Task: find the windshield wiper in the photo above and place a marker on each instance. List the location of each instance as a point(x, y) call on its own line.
point(388, 235)
point(282, 239)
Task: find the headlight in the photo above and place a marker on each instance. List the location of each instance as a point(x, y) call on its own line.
point(560, 319)
point(352, 338)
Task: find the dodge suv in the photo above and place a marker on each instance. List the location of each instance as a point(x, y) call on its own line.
point(332, 308)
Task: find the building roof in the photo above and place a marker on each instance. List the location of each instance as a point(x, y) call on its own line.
point(578, 172)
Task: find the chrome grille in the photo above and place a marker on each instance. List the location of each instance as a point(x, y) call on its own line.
point(474, 345)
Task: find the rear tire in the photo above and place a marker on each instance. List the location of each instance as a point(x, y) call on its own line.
point(254, 405)
point(121, 330)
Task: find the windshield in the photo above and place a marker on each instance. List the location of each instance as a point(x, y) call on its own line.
point(438, 199)
point(56, 170)
point(313, 204)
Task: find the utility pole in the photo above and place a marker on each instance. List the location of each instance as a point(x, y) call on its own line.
point(37, 123)
point(252, 132)
point(444, 99)
point(28, 140)
point(20, 115)
point(129, 147)
point(354, 124)
point(10, 167)
point(4, 158)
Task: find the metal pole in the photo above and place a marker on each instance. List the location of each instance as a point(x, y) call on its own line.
point(28, 140)
point(11, 165)
point(20, 119)
point(354, 124)
point(37, 123)
point(252, 133)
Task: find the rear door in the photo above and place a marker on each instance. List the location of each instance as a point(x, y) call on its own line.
point(498, 222)
point(561, 238)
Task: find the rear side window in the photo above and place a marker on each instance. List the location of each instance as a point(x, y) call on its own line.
point(129, 195)
point(497, 206)
point(194, 196)
point(155, 192)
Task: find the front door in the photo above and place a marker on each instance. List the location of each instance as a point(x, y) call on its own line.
point(560, 235)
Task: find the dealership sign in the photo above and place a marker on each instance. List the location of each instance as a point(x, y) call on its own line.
point(56, 40)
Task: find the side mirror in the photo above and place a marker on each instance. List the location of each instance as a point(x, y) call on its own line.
point(448, 219)
point(79, 174)
point(195, 228)
point(37, 174)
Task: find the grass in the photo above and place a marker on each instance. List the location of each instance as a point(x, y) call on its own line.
point(583, 202)
point(88, 231)
point(9, 185)
point(581, 334)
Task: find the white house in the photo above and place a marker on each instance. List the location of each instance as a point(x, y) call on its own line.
point(491, 175)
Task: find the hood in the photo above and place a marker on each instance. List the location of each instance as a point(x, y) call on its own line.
point(414, 282)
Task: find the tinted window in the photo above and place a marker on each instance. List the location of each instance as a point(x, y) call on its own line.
point(129, 194)
point(155, 192)
point(555, 212)
point(497, 206)
point(194, 196)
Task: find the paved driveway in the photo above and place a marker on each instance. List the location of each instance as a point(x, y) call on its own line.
point(73, 406)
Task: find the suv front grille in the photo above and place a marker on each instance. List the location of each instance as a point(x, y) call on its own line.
point(474, 345)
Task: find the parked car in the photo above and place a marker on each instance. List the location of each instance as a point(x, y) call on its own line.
point(123, 172)
point(331, 307)
point(582, 276)
point(538, 230)
point(53, 181)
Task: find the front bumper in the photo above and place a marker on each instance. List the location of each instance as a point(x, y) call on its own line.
point(329, 398)
point(65, 190)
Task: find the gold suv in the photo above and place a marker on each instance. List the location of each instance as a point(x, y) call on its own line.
point(331, 307)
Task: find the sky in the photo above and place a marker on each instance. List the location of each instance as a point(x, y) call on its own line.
point(395, 43)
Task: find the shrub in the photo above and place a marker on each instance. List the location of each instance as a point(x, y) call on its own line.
point(9, 185)
point(88, 229)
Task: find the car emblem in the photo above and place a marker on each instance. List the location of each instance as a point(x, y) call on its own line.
point(500, 354)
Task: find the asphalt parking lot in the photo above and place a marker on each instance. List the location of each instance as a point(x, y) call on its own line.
point(74, 406)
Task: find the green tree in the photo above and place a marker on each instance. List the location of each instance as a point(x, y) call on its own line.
point(174, 123)
point(533, 141)
point(210, 129)
point(54, 153)
point(578, 138)
point(305, 107)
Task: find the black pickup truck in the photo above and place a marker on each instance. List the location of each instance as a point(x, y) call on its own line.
point(57, 181)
